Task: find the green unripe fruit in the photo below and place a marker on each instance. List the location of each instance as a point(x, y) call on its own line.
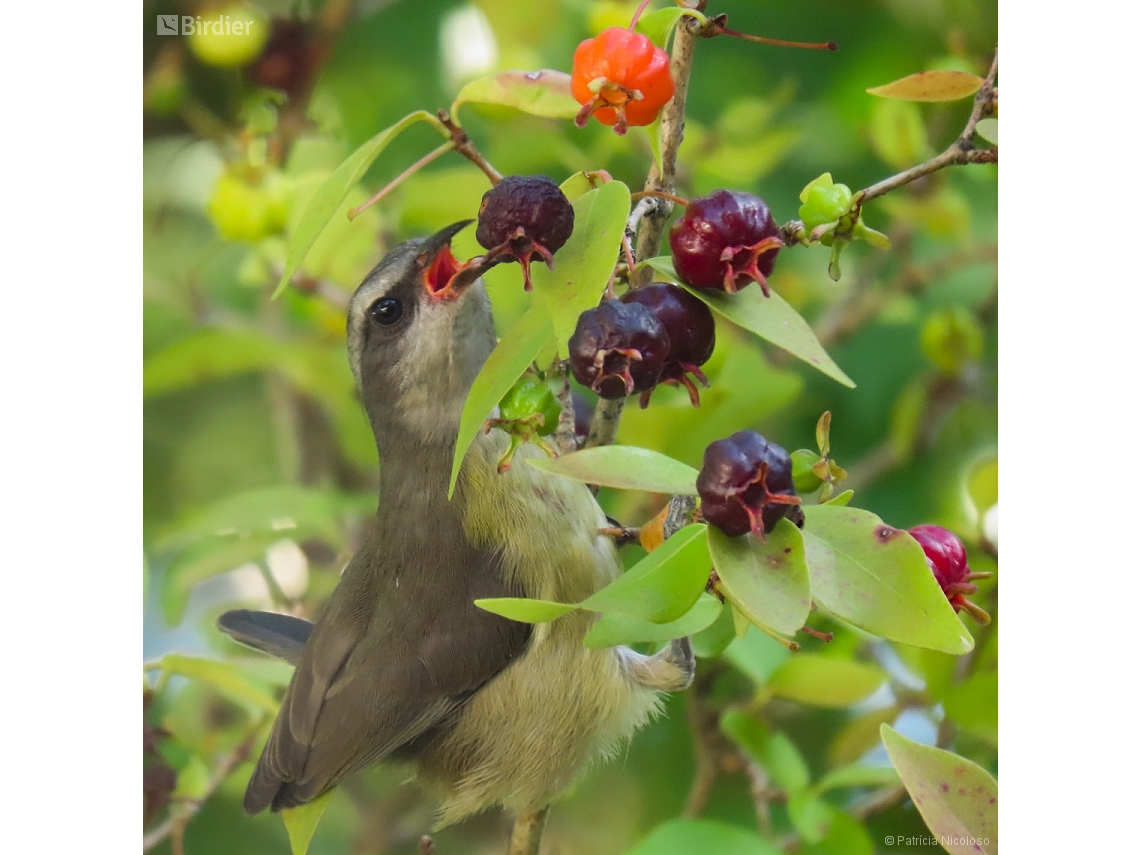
point(951, 338)
point(231, 37)
point(803, 477)
point(823, 202)
point(527, 397)
point(250, 212)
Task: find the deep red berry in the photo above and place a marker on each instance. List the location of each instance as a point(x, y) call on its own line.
point(691, 329)
point(524, 215)
point(746, 484)
point(621, 78)
point(725, 240)
point(947, 559)
point(618, 349)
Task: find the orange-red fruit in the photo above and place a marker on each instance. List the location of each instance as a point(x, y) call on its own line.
point(620, 77)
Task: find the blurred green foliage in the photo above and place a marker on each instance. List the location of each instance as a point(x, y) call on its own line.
point(258, 457)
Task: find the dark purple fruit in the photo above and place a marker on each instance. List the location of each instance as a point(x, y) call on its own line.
point(691, 329)
point(725, 240)
point(746, 484)
point(523, 215)
point(618, 349)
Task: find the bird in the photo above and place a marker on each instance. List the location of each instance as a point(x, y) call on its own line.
point(401, 666)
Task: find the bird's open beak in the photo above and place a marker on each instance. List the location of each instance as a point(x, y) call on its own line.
point(444, 277)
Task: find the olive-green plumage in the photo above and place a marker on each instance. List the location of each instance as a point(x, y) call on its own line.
point(401, 664)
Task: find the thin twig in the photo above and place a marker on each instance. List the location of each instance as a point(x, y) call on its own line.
point(176, 823)
point(402, 177)
point(465, 147)
point(960, 152)
point(526, 836)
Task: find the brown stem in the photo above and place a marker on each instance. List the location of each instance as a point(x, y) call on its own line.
point(465, 147)
point(607, 417)
point(663, 180)
point(402, 177)
point(960, 152)
point(642, 194)
point(705, 755)
point(178, 820)
point(526, 836)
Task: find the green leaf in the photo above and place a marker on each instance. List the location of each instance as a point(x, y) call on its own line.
point(714, 639)
point(239, 528)
point(524, 610)
point(767, 582)
point(988, 130)
point(956, 797)
point(625, 467)
point(859, 735)
point(333, 192)
point(659, 24)
point(209, 354)
point(825, 681)
point(845, 836)
point(756, 654)
point(581, 183)
point(584, 264)
point(842, 500)
point(876, 577)
point(771, 318)
point(856, 775)
point(193, 780)
point(506, 364)
point(974, 705)
point(662, 586)
point(774, 751)
point(541, 93)
point(931, 86)
point(691, 836)
point(898, 133)
point(223, 677)
point(612, 629)
point(301, 822)
point(810, 815)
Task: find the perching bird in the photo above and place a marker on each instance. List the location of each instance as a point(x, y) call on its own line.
point(401, 664)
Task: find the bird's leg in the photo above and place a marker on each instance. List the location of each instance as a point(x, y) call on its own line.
point(526, 836)
point(670, 669)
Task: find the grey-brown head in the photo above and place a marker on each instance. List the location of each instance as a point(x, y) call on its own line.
point(417, 337)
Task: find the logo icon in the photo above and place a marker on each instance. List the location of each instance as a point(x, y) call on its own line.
point(168, 25)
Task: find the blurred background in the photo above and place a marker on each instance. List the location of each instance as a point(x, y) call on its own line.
point(260, 467)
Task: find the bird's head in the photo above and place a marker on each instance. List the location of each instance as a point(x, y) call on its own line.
point(418, 334)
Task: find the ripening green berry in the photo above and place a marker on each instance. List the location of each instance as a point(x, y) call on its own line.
point(951, 338)
point(231, 37)
point(803, 477)
point(250, 212)
point(823, 202)
point(527, 397)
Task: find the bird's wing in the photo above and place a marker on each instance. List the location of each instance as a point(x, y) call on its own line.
point(278, 635)
point(383, 666)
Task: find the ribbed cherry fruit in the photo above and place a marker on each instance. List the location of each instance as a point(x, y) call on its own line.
point(746, 484)
point(691, 329)
point(947, 559)
point(618, 349)
point(523, 216)
point(725, 240)
point(621, 78)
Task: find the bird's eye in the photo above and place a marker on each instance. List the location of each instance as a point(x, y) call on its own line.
point(386, 311)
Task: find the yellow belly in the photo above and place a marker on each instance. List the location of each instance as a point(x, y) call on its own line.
point(526, 735)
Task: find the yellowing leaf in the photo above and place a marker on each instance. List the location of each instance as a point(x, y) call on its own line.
point(931, 86)
point(541, 93)
point(956, 797)
point(301, 822)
